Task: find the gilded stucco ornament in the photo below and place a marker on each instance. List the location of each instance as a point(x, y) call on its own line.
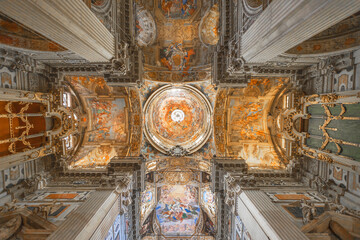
point(325, 98)
point(178, 120)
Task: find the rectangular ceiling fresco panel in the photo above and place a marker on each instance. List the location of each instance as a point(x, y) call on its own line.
point(247, 131)
point(178, 9)
point(109, 120)
point(86, 85)
point(246, 120)
point(178, 210)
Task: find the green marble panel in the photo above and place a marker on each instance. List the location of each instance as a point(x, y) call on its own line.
point(314, 143)
point(352, 110)
point(351, 151)
point(332, 147)
point(314, 124)
point(316, 109)
point(347, 130)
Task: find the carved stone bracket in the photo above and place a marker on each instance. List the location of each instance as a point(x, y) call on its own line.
point(309, 211)
point(178, 151)
point(235, 184)
point(38, 182)
point(124, 187)
point(232, 189)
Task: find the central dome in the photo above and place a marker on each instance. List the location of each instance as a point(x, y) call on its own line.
point(177, 117)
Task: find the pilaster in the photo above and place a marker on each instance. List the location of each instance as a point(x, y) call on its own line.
point(265, 219)
point(84, 221)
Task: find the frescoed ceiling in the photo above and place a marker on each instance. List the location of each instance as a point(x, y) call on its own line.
point(189, 124)
point(178, 53)
point(209, 26)
point(172, 121)
point(171, 220)
point(242, 122)
point(178, 201)
point(177, 120)
point(112, 118)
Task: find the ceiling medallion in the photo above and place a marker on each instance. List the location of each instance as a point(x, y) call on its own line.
point(178, 120)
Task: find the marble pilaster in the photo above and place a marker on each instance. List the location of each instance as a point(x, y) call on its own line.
point(263, 219)
point(84, 221)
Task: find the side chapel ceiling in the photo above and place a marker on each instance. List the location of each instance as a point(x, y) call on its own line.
point(110, 119)
point(243, 122)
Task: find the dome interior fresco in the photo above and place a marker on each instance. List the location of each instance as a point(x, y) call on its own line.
point(162, 133)
point(177, 116)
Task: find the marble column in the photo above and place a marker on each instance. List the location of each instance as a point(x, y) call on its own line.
point(263, 219)
point(108, 221)
point(69, 23)
point(286, 23)
point(85, 221)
